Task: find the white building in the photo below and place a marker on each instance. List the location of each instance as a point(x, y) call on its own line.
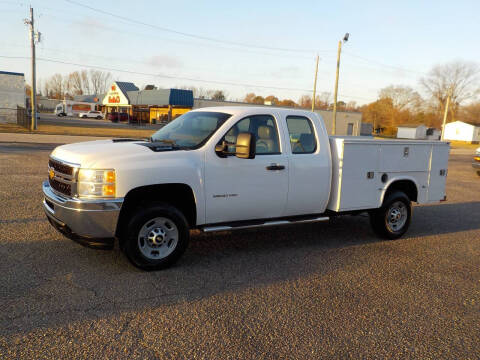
point(462, 131)
point(12, 95)
point(412, 132)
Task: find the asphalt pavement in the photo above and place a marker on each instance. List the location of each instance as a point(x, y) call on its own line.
point(326, 290)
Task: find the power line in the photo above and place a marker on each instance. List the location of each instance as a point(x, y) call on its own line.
point(231, 83)
point(199, 37)
point(127, 19)
point(384, 65)
point(178, 41)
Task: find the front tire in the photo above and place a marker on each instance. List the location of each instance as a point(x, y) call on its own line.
point(157, 236)
point(392, 219)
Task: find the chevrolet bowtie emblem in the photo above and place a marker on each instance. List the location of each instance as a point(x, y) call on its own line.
point(51, 174)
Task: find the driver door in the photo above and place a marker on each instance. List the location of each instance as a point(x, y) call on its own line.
point(244, 189)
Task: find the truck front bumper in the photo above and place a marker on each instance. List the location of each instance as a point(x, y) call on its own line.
point(90, 222)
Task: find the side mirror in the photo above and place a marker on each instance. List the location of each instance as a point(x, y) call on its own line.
point(221, 149)
point(245, 146)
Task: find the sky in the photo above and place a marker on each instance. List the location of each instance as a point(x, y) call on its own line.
point(265, 47)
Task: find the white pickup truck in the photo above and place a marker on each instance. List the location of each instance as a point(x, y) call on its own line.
point(227, 168)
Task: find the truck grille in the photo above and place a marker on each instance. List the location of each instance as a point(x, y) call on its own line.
point(60, 168)
point(61, 177)
point(60, 187)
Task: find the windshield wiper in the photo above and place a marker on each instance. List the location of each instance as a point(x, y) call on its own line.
point(167, 141)
point(171, 142)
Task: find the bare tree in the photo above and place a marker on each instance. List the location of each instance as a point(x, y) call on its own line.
point(305, 102)
point(99, 81)
point(471, 113)
point(403, 97)
point(219, 95)
point(351, 106)
point(46, 89)
point(57, 85)
point(85, 82)
point(461, 77)
point(75, 84)
point(323, 100)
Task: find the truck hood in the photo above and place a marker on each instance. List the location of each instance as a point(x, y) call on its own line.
point(104, 153)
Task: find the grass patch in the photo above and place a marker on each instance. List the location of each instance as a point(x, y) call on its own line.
point(462, 145)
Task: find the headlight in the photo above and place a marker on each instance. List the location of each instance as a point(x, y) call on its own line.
point(96, 183)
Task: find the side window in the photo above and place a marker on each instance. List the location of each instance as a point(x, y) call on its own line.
point(263, 127)
point(302, 136)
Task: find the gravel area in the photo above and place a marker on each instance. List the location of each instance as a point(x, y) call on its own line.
point(326, 290)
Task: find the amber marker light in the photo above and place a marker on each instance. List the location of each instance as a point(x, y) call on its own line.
point(109, 176)
point(108, 190)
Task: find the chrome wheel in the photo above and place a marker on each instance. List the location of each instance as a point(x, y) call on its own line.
point(397, 215)
point(158, 238)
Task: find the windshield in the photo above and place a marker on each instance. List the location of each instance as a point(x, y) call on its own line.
point(192, 129)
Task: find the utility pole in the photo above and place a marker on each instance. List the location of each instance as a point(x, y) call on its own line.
point(334, 120)
point(315, 86)
point(33, 123)
point(446, 112)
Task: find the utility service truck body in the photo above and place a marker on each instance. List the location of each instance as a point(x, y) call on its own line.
point(227, 168)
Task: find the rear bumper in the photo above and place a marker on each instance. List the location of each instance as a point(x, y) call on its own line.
point(90, 222)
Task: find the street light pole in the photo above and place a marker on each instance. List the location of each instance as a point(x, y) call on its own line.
point(334, 120)
point(315, 86)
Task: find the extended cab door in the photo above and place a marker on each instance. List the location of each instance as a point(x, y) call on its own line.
point(309, 163)
point(244, 189)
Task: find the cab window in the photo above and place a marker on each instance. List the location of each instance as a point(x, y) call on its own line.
point(263, 127)
point(302, 136)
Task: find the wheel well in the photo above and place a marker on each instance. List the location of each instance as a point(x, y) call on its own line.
point(178, 195)
point(406, 186)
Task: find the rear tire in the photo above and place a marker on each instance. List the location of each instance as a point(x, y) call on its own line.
point(392, 219)
point(156, 237)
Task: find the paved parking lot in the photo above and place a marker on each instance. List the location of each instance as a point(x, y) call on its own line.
point(75, 121)
point(327, 290)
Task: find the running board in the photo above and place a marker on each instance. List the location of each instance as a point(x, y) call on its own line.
point(269, 223)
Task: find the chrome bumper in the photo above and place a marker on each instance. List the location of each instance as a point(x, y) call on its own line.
point(476, 165)
point(91, 222)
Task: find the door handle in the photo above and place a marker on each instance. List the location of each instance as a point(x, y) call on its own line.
point(275, 167)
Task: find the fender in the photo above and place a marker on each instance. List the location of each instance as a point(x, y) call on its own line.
point(391, 181)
